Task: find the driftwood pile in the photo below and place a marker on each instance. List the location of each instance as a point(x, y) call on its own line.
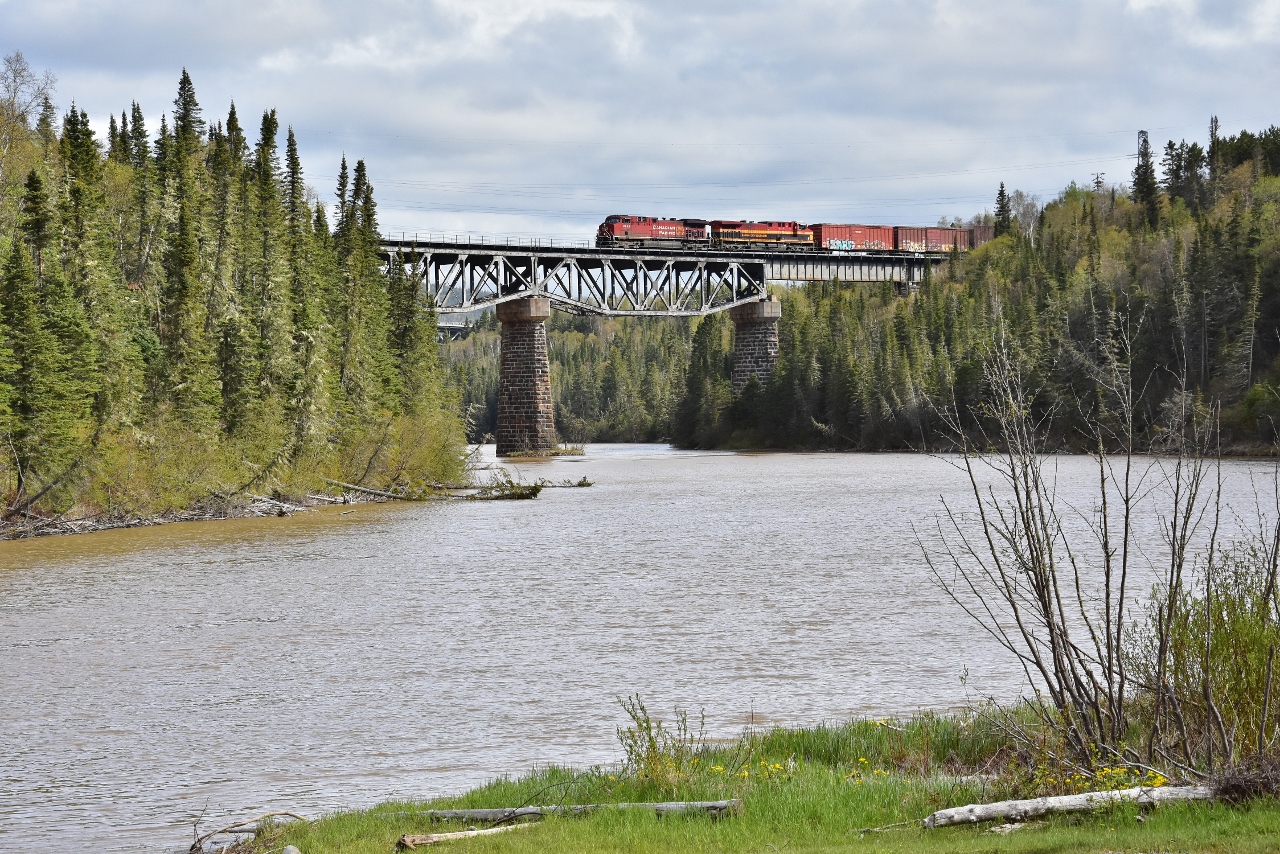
point(24, 525)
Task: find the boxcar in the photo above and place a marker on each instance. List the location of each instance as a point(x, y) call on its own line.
point(947, 239)
point(849, 238)
point(910, 239)
point(765, 235)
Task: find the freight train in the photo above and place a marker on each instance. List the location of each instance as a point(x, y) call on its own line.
point(654, 233)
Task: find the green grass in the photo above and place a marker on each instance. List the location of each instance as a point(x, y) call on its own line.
point(806, 790)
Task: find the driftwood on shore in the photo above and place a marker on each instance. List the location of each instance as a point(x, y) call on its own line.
point(413, 840)
point(713, 808)
point(1035, 807)
point(482, 492)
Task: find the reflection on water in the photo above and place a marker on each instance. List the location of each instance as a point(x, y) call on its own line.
point(336, 659)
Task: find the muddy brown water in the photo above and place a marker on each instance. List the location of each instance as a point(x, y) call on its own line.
point(335, 659)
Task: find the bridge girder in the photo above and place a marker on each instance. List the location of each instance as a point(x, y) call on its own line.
point(463, 277)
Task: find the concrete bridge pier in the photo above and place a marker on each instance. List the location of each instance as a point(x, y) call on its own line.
point(755, 341)
point(525, 422)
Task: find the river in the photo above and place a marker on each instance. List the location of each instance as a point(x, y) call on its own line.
point(339, 658)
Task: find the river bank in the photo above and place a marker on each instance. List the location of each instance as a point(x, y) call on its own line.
point(861, 786)
point(498, 487)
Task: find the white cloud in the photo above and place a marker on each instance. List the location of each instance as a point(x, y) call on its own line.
point(546, 115)
point(1216, 25)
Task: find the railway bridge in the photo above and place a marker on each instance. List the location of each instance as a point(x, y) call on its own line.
point(523, 282)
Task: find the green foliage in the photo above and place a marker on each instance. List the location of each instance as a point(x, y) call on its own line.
point(1224, 634)
point(181, 326)
point(666, 757)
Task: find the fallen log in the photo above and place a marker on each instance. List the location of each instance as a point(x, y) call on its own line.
point(1011, 811)
point(364, 489)
point(713, 808)
point(411, 841)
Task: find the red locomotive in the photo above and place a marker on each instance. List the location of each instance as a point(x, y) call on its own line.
point(652, 232)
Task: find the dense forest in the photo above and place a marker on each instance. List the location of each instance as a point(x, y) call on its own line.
point(180, 324)
point(1181, 269)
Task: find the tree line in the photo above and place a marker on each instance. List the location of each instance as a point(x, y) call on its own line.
point(1181, 269)
point(180, 323)
point(1183, 264)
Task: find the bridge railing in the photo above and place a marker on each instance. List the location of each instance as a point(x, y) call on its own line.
point(405, 238)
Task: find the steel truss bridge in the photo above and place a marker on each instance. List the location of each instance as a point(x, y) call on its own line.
point(465, 277)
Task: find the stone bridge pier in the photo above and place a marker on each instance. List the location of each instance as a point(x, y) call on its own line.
point(525, 422)
point(755, 341)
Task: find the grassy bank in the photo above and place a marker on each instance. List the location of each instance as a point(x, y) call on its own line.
point(812, 789)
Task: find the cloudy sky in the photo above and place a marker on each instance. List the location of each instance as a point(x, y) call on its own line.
point(500, 117)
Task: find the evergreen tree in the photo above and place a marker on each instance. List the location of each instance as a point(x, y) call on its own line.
point(236, 142)
point(1004, 212)
point(48, 404)
point(1146, 192)
point(267, 288)
point(139, 144)
point(45, 124)
point(366, 370)
point(308, 404)
point(188, 126)
point(37, 217)
point(192, 381)
point(113, 139)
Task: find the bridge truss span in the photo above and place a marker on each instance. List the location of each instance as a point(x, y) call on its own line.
point(464, 277)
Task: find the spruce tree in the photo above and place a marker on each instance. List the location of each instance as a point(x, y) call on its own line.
point(1004, 212)
point(45, 124)
point(308, 403)
point(188, 126)
point(268, 289)
point(236, 141)
point(37, 217)
point(1146, 191)
point(113, 139)
point(366, 369)
point(413, 338)
point(139, 144)
point(47, 404)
